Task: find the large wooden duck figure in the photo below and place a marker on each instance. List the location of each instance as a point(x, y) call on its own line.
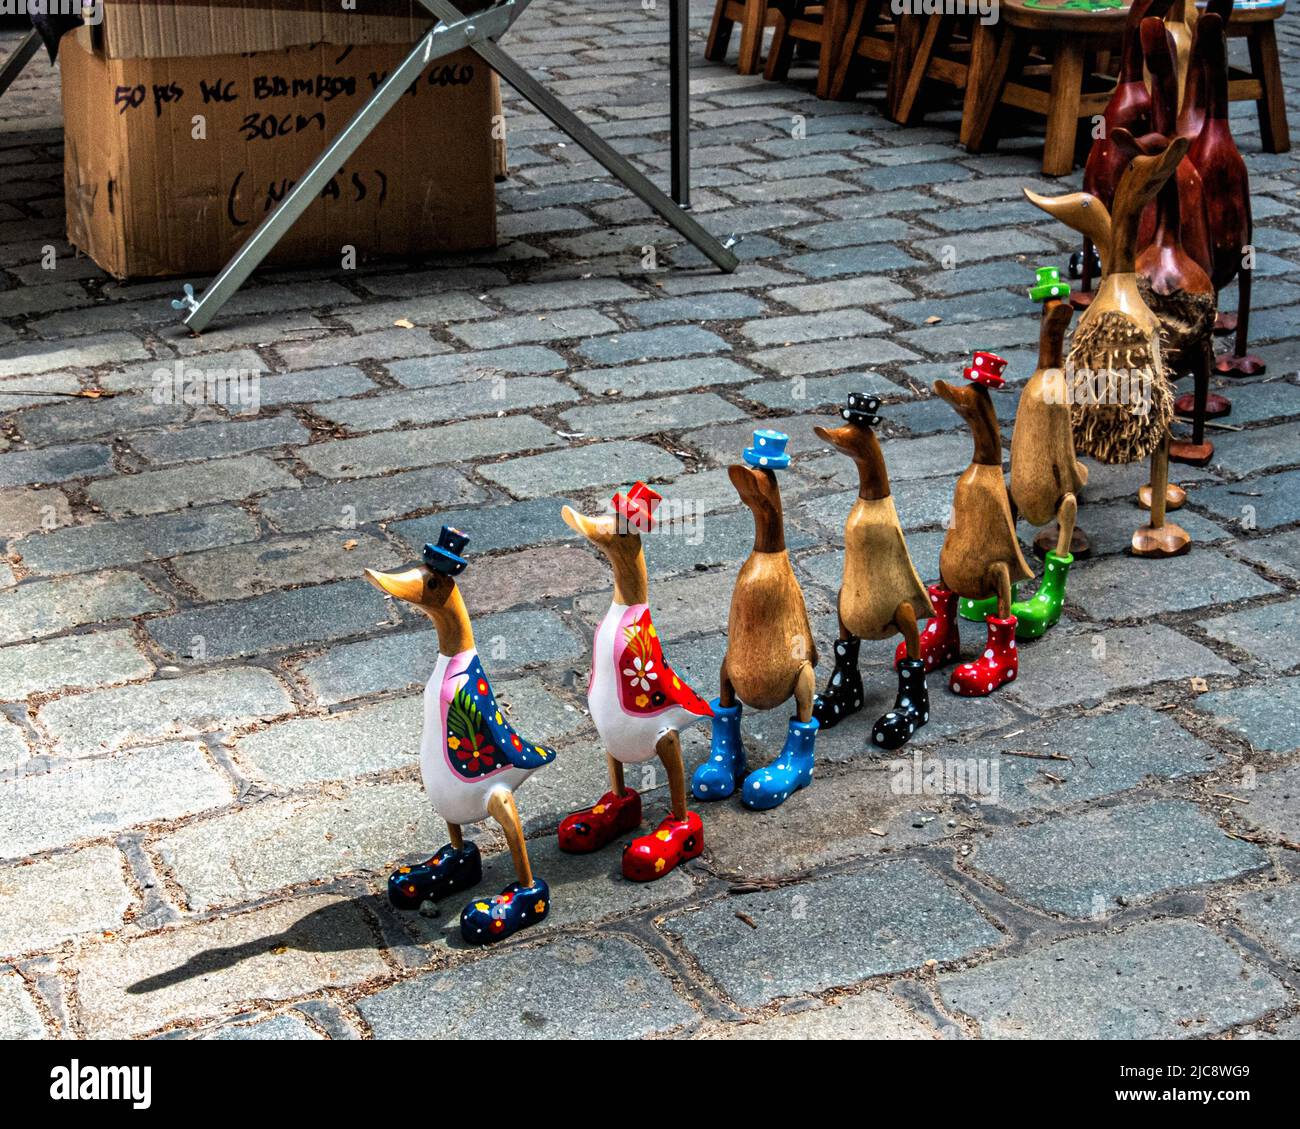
point(638, 704)
point(770, 649)
point(881, 594)
point(471, 760)
point(981, 554)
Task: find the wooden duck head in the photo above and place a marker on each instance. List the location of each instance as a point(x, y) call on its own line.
point(973, 403)
point(758, 489)
point(431, 587)
point(618, 537)
point(857, 439)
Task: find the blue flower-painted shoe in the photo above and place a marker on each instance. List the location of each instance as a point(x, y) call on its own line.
point(716, 778)
point(771, 786)
point(516, 907)
point(448, 871)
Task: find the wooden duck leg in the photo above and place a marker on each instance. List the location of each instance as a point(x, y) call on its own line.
point(455, 835)
point(1198, 451)
point(1001, 577)
point(805, 689)
point(1066, 513)
point(501, 805)
point(1242, 363)
point(669, 750)
point(617, 784)
point(905, 621)
point(1160, 538)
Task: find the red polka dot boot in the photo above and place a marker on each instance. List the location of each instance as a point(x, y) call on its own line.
point(995, 667)
point(939, 641)
point(602, 823)
point(654, 855)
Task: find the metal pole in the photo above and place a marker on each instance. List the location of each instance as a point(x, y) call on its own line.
point(13, 66)
point(595, 145)
point(679, 93)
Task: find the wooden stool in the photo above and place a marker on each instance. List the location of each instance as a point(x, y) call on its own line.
point(1253, 21)
point(753, 16)
point(934, 48)
point(821, 22)
point(869, 34)
point(1035, 59)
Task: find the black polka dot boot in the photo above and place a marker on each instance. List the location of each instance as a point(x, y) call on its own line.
point(911, 708)
point(843, 695)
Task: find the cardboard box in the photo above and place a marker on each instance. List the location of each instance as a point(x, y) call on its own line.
point(171, 164)
point(155, 29)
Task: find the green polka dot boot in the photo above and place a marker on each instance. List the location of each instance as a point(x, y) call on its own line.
point(1041, 611)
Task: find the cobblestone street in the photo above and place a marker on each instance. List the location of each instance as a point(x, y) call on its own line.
point(210, 723)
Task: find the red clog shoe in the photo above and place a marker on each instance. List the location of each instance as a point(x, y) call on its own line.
point(654, 855)
point(939, 641)
point(997, 666)
point(592, 828)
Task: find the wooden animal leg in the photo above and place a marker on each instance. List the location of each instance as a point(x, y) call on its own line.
point(455, 835)
point(805, 689)
point(616, 782)
point(1160, 538)
point(669, 751)
point(1239, 362)
point(1000, 575)
point(501, 805)
point(726, 691)
point(905, 621)
point(1065, 516)
point(1063, 107)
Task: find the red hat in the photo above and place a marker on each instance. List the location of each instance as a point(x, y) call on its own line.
point(986, 369)
point(636, 511)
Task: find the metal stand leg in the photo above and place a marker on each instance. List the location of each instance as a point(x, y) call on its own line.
point(595, 145)
point(679, 94)
point(13, 66)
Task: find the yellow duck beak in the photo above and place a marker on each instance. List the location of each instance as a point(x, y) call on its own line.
point(409, 585)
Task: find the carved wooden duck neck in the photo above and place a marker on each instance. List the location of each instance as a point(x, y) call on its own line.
point(623, 551)
point(438, 597)
point(1051, 334)
point(861, 445)
point(758, 489)
point(975, 406)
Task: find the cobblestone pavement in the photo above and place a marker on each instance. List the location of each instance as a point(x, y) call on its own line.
point(209, 725)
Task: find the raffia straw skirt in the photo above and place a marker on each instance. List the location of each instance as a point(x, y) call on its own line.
point(1121, 404)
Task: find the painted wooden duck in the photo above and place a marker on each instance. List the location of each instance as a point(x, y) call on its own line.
point(638, 704)
point(471, 760)
point(770, 649)
point(881, 595)
point(1122, 402)
point(981, 554)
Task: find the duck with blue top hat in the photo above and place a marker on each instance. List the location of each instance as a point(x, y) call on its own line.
point(471, 759)
point(770, 649)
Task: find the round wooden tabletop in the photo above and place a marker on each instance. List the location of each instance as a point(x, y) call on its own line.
point(1065, 15)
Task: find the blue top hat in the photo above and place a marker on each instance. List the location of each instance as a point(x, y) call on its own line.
point(444, 557)
point(768, 450)
point(862, 409)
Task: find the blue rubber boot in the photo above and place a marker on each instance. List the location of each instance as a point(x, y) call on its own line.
point(770, 787)
point(716, 778)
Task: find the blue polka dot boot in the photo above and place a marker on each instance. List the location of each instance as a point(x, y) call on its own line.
point(843, 695)
point(448, 871)
point(518, 906)
point(770, 787)
point(716, 778)
point(911, 708)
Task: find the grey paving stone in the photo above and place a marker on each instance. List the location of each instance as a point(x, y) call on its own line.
point(721, 306)
point(564, 989)
point(664, 376)
point(348, 504)
point(214, 480)
point(432, 405)
point(80, 548)
point(1275, 803)
point(567, 292)
point(511, 526)
point(255, 849)
point(798, 359)
point(257, 567)
point(1262, 503)
point(450, 443)
point(29, 357)
point(1270, 634)
point(644, 417)
point(24, 509)
point(60, 899)
point(19, 1018)
point(313, 386)
point(875, 258)
point(79, 418)
point(554, 326)
point(1160, 980)
point(828, 392)
point(1083, 667)
point(878, 920)
point(405, 660)
point(1273, 914)
point(279, 1028)
point(1254, 403)
point(813, 327)
point(278, 621)
point(54, 464)
point(133, 985)
point(1261, 448)
point(423, 372)
point(13, 746)
point(74, 661)
point(1110, 531)
point(1279, 553)
point(1267, 715)
point(335, 349)
point(1127, 588)
point(866, 291)
point(596, 464)
point(651, 344)
point(869, 1015)
point(49, 606)
point(1087, 865)
point(422, 311)
point(93, 799)
point(214, 440)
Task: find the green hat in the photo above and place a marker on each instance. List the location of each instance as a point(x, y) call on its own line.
point(1049, 285)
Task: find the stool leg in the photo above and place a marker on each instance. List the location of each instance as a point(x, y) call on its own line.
point(1274, 133)
point(751, 36)
point(834, 18)
point(1063, 113)
point(916, 71)
point(715, 50)
point(846, 63)
point(989, 94)
point(781, 53)
point(983, 51)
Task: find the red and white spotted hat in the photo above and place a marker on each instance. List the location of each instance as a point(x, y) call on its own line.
point(986, 369)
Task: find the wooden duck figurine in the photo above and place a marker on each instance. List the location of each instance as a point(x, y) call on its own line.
point(471, 760)
point(881, 595)
point(1171, 281)
point(981, 553)
point(770, 649)
point(638, 704)
point(1122, 403)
